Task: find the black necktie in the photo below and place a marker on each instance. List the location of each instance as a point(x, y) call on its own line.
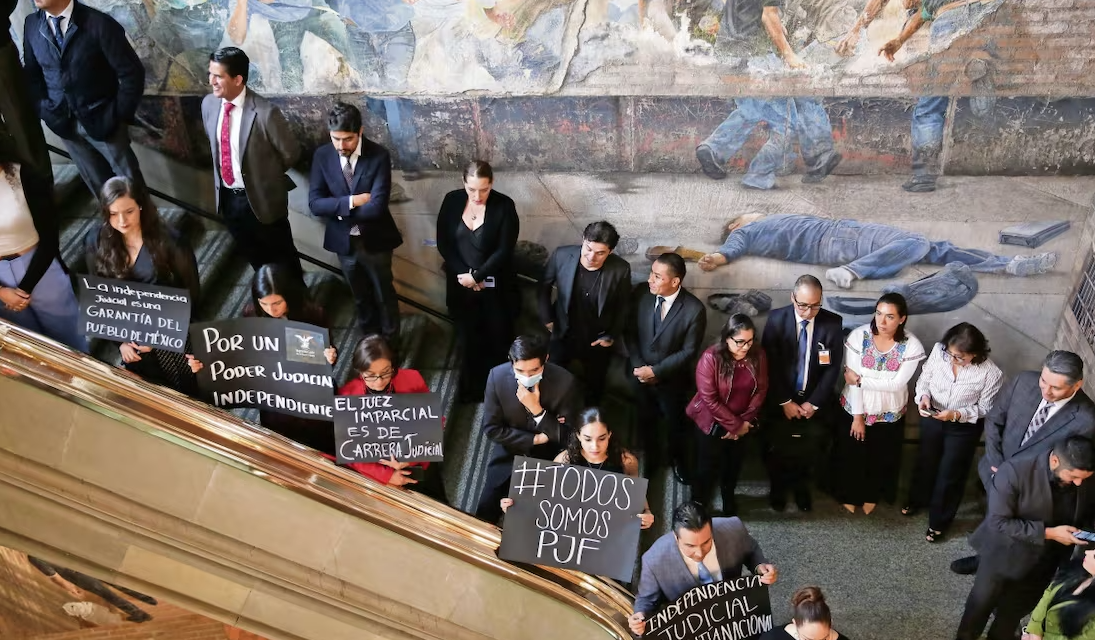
point(658, 313)
point(58, 33)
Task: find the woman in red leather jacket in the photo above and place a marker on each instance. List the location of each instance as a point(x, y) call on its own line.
point(731, 383)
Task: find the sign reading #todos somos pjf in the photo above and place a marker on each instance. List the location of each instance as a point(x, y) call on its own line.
point(265, 363)
point(124, 311)
point(734, 610)
point(573, 517)
point(375, 427)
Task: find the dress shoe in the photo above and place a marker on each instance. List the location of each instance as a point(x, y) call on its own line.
point(966, 566)
point(920, 184)
point(804, 501)
point(139, 616)
point(777, 502)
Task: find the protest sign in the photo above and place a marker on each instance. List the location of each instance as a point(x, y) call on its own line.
point(573, 517)
point(732, 610)
point(265, 363)
point(124, 311)
point(375, 427)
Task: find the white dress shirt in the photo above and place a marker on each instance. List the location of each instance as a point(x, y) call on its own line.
point(711, 561)
point(667, 302)
point(971, 393)
point(352, 161)
point(234, 134)
point(66, 14)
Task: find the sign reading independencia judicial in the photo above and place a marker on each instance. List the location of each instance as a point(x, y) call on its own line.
point(573, 517)
point(265, 363)
point(375, 427)
point(733, 610)
point(124, 311)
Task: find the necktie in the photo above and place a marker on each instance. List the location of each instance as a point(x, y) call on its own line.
point(658, 313)
point(58, 33)
point(228, 177)
point(800, 366)
point(348, 173)
point(1036, 422)
point(705, 575)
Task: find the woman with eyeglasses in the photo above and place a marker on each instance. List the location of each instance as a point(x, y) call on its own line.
point(811, 619)
point(955, 392)
point(731, 384)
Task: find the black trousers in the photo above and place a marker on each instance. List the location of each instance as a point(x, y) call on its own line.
point(722, 459)
point(484, 328)
point(369, 274)
point(790, 449)
point(499, 472)
point(942, 467)
point(95, 586)
point(258, 242)
point(594, 361)
point(1006, 599)
point(661, 423)
point(20, 120)
point(866, 472)
point(101, 160)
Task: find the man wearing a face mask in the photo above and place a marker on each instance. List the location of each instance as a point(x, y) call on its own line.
point(527, 407)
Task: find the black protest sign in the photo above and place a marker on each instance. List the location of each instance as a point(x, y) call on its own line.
point(573, 517)
point(375, 427)
point(736, 609)
point(265, 363)
point(124, 311)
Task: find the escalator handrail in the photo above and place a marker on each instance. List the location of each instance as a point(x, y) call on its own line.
point(202, 213)
point(58, 370)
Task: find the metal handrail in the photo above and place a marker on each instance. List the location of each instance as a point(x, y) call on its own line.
point(198, 211)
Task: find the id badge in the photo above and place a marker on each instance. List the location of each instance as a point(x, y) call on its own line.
point(823, 357)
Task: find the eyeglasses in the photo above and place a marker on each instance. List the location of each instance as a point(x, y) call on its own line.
point(805, 307)
point(372, 377)
point(742, 343)
point(949, 357)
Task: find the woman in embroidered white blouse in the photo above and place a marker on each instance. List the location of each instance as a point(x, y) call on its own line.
point(880, 360)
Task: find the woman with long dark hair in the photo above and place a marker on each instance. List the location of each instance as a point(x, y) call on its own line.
point(1067, 608)
point(132, 243)
point(731, 384)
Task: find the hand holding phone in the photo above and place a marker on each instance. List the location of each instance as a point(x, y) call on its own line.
point(1086, 536)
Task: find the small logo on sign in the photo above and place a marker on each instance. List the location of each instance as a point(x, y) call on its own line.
point(304, 346)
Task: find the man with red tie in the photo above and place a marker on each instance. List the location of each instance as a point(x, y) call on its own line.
point(252, 149)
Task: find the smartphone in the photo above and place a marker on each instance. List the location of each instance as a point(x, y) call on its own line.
point(1086, 536)
point(417, 473)
point(930, 411)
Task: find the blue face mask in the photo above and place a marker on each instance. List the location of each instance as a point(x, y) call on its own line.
point(528, 381)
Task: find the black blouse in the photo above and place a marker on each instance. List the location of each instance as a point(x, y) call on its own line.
point(181, 260)
point(495, 239)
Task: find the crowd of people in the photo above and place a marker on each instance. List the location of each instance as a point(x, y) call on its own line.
point(796, 389)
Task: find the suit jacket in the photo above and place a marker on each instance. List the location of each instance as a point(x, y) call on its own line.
point(329, 198)
point(509, 424)
point(267, 150)
point(665, 577)
point(96, 80)
point(780, 342)
point(671, 350)
point(1011, 538)
point(1007, 423)
point(612, 293)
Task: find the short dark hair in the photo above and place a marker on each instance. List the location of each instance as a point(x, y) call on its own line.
point(808, 605)
point(369, 349)
point(690, 515)
point(968, 339)
point(528, 347)
point(344, 117)
point(807, 280)
point(1075, 452)
point(675, 263)
point(235, 61)
point(603, 232)
point(1065, 363)
point(897, 300)
point(478, 169)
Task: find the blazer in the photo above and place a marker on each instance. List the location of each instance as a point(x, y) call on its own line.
point(612, 293)
point(267, 150)
point(508, 423)
point(664, 576)
point(780, 342)
point(96, 80)
point(500, 229)
point(673, 348)
point(1011, 538)
point(329, 198)
point(1007, 423)
point(709, 405)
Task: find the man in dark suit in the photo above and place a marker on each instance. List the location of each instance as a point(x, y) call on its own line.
point(86, 82)
point(700, 550)
point(588, 315)
point(664, 336)
point(18, 119)
point(1036, 505)
point(804, 345)
point(350, 184)
point(252, 149)
point(528, 405)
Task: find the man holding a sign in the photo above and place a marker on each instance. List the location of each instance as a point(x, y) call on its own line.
point(699, 551)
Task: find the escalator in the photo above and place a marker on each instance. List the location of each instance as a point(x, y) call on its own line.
point(146, 488)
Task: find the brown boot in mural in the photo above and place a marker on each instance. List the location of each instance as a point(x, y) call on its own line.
point(690, 255)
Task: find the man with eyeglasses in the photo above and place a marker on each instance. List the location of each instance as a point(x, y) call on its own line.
point(804, 344)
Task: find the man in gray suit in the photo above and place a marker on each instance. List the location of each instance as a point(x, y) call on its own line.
point(252, 149)
point(700, 550)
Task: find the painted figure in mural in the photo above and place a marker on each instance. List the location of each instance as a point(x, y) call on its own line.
point(749, 29)
point(948, 20)
point(856, 250)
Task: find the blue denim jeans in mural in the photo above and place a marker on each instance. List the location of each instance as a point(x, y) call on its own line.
point(398, 113)
point(870, 251)
point(801, 117)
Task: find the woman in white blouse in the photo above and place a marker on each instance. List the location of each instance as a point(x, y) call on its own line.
point(880, 360)
point(955, 392)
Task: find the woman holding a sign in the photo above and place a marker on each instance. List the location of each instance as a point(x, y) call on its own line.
point(132, 243)
point(811, 619)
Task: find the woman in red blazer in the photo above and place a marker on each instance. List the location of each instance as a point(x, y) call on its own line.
point(731, 383)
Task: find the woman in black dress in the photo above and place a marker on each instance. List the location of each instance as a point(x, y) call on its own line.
point(477, 229)
point(810, 619)
point(132, 243)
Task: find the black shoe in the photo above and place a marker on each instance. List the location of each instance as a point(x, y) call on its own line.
point(813, 177)
point(966, 566)
point(920, 184)
point(804, 501)
point(710, 167)
point(139, 616)
point(681, 476)
point(777, 502)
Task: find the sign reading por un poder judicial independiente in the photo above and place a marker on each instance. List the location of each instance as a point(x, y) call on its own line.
point(124, 311)
point(375, 427)
point(738, 609)
point(573, 517)
point(265, 363)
